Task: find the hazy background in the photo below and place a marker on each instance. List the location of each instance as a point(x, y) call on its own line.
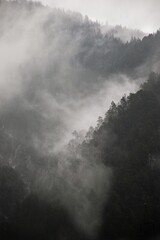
point(58, 74)
point(139, 14)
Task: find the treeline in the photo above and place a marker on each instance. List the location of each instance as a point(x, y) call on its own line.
point(103, 52)
point(128, 141)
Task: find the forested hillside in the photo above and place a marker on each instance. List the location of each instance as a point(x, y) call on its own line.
point(128, 142)
point(58, 72)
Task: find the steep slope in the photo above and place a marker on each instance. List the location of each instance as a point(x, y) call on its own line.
point(54, 65)
point(128, 141)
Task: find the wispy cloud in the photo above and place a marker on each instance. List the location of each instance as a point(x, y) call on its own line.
point(143, 14)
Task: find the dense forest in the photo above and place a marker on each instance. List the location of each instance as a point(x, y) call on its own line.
point(99, 182)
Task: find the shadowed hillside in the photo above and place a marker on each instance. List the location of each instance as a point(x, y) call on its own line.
point(58, 72)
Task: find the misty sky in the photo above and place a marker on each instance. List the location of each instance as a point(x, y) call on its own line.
point(141, 14)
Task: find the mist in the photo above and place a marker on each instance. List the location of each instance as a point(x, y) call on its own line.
point(41, 74)
point(143, 15)
point(47, 92)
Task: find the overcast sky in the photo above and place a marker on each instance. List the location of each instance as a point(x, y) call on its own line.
point(141, 14)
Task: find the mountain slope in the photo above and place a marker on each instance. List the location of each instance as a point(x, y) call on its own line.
point(128, 141)
point(57, 69)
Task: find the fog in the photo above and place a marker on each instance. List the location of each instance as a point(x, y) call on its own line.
point(40, 73)
point(45, 94)
point(143, 14)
